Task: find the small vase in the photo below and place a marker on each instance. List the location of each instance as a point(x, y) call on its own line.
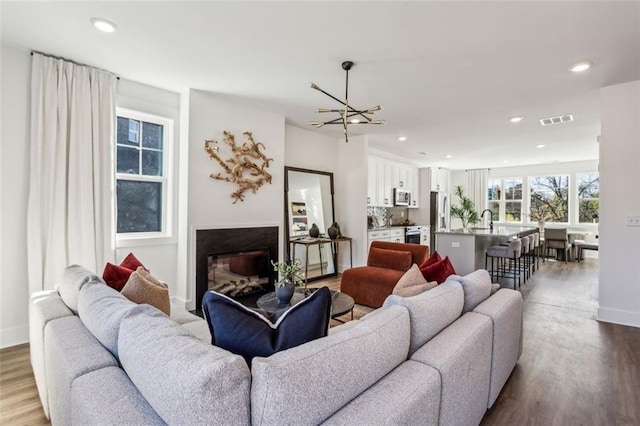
point(284, 293)
point(333, 232)
point(314, 231)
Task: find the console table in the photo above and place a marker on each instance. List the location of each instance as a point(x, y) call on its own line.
point(309, 242)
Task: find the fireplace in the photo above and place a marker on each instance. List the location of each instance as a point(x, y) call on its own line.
point(235, 261)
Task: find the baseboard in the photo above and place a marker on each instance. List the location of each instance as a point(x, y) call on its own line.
point(617, 316)
point(14, 336)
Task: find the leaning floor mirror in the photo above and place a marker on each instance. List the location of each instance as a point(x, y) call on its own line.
point(308, 196)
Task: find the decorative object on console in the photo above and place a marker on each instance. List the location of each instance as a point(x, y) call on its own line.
point(348, 114)
point(334, 231)
point(413, 283)
point(314, 231)
point(290, 277)
point(142, 287)
point(116, 276)
point(240, 163)
point(248, 333)
point(466, 212)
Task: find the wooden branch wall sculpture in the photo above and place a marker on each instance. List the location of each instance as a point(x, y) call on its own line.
point(239, 163)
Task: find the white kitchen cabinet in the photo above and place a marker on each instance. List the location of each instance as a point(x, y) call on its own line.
point(439, 179)
point(372, 182)
point(385, 187)
point(394, 235)
point(415, 187)
point(403, 176)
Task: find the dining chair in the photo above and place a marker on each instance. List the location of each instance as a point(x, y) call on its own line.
point(556, 238)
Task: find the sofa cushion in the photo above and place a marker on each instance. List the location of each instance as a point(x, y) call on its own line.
point(412, 283)
point(392, 259)
point(107, 396)
point(309, 383)
point(116, 276)
point(142, 287)
point(248, 333)
point(430, 312)
point(439, 271)
point(101, 308)
point(73, 278)
point(410, 394)
point(434, 258)
point(185, 380)
point(476, 287)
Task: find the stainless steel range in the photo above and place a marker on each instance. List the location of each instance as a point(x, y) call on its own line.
point(412, 234)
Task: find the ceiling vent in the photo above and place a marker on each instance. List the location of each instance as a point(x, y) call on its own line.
point(556, 120)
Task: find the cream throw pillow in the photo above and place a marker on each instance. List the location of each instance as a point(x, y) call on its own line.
point(142, 287)
point(412, 283)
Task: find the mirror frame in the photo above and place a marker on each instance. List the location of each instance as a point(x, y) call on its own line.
point(287, 235)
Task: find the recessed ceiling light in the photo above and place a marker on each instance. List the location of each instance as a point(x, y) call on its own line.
point(540, 145)
point(516, 119)
point(104, 25)
point(402, 138)
point(581, 66)
point(448, 156)
point(354, 121)
point(505, 161)
point(423, 153)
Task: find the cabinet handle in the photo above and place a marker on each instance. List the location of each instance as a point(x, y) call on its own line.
point(386, 201)
point(368, 200)
point(401, 184)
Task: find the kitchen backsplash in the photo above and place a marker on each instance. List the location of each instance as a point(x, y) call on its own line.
point(399, 214)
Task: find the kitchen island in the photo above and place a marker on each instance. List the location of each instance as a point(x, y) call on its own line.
point(466, 247)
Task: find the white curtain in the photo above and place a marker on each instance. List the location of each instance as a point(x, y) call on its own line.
point(477, 189)
point(70, 214)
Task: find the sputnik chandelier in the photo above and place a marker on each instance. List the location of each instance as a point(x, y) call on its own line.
point(348, 114)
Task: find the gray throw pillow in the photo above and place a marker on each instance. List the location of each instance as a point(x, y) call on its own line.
point(476, 287)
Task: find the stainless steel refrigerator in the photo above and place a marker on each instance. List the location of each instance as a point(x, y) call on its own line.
point(439, 215)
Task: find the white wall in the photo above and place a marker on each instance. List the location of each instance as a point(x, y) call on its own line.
point(14, 189)
point(619, 278)
point(158, 256)
point(209, 201)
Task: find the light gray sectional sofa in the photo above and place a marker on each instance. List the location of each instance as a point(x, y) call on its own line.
point(441, 357)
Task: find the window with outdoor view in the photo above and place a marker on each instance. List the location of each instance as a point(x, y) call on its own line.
point(505, 199)
point(549, 199)
point(141, 172)
point(588, 197)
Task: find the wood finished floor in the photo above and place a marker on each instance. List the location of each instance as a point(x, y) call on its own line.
point(573, 370)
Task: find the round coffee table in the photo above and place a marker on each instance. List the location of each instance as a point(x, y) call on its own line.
point(340, 303)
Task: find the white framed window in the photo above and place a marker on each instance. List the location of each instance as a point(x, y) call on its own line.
point(588, 187)
point(143, 175)
point(549, 199)
point(505, 199)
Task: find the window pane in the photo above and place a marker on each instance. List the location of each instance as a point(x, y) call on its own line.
point(151, 163)
point(151, 135)
point(128, 160)
point(513, 189)
point(494, 189)
point(494, 206)
point(588, 185)
point(588, 212)
point(513, 211)
point(139, 206)
point(549, 199)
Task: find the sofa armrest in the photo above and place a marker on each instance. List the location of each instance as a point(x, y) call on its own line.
point(505, 310)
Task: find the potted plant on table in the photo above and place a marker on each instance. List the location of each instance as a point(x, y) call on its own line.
point(290, 275)
point(466, 212)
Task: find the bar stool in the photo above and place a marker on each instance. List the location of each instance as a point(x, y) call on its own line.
point(536, 251)
point(524, 259)
point(556, 238)
point(502, 254)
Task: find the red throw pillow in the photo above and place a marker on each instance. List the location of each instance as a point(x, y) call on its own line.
point(439, 271)
point(117, 276)
point(434, 258)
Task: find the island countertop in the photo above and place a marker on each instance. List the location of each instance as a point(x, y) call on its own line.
point(498, 231)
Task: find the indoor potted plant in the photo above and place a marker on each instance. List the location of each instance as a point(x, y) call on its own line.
point(466, 212)
point(290, 275)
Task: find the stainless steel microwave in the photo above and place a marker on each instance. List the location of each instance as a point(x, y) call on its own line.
point(401, 197)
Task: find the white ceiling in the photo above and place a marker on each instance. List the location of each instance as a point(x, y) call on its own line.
point(447, 74)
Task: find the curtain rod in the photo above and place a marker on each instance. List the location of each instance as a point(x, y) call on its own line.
point(70, 60)
point(470, 170)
